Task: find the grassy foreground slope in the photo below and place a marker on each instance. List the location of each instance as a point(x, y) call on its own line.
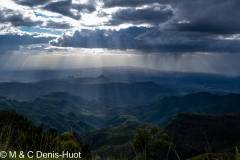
point(195, 134)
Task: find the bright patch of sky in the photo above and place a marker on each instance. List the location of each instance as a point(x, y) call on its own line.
point(40, 30)
point(46, 16)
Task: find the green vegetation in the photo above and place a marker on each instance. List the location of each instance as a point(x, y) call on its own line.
point(237, 154)
point(146, 146)
point(142, 144)
point(214, 156)
point(115, 140)
point(62, 111)
point(17, 133)
point(199, 134)
point(122, 119)
point(123, 135)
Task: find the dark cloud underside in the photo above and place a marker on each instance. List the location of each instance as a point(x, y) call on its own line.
point(31, 3)
point(58, 25)
point(17, 19)
point(216, 17)
point(212, 16)
point(145, 40)
point(62, 7)
point(85, 8)
point(126, 3)
point(138, 16)
point(65, 7)
point(122, 39)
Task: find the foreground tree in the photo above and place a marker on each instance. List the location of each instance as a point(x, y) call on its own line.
point(142, 145)
point(145, 144)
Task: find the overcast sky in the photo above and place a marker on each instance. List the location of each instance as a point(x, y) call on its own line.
point(175, 35)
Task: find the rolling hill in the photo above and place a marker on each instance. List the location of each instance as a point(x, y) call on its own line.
point(160, 112)
point(63, 111)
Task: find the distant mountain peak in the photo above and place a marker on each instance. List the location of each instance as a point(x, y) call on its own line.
point(58, 94)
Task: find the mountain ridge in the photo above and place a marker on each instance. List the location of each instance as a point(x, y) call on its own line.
point(160, 112)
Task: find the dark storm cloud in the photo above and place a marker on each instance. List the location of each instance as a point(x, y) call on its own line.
point(12, 42)
point(135, 3)
point(16, 18)
point(64, 8)
point(112, 39)
point(20, 21)
point(194, 26)
point(126, 3)
point(86, 8)
point(58, 25)
point(212, 16)
point(152, 15)
point(183, 26)
point(146, 40)
point(211, 46)
point(31, 3)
